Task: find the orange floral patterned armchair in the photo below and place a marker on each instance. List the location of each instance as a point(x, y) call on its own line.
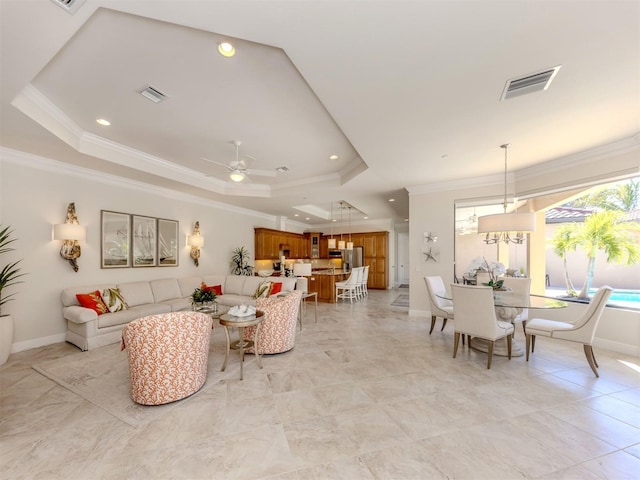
point(168, 355)
point(278, 329)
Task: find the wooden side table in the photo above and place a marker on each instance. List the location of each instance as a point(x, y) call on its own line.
point(231, 321)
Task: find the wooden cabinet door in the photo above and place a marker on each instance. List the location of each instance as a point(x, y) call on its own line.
point(313, 284)
point(369, 244)
point(324, 246)
point(381, 245)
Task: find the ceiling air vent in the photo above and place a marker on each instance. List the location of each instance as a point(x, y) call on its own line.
point(153, 94)
point(535, 82)
point(282, 169)
point(69, 6)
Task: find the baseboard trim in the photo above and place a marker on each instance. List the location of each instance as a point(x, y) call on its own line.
point(633, 350)
point(37, 342)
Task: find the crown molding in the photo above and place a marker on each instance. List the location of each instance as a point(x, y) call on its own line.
point(573, 160)
point(600, 152)
point(18, 157)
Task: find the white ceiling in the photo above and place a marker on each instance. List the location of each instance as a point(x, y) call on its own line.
point(406, 93)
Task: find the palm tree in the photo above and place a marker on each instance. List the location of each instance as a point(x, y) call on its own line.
point(605, 231)
point(564, 241)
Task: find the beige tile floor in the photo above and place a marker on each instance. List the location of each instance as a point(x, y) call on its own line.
point(365, 394)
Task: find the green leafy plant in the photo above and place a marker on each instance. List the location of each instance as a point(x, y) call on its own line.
point(240, 262)
point(10, 272)
point(201, 295)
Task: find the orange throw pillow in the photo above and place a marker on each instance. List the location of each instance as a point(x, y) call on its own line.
point(93, 300)
point(275, 288)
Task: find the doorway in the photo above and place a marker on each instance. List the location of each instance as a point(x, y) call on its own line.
point(403, 258)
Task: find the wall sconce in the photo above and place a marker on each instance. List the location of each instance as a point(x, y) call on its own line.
point(195, 241)
point(70, 232)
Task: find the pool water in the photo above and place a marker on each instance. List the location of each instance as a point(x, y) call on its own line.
point(619, 298)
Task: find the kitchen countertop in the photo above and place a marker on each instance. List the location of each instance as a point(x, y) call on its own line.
point(329, 272)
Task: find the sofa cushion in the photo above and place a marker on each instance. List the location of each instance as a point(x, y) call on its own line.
point(114, 300)
point(275, 288)
point(165, 289)
point(213, 280)
point(68, 295)
point(263, 290)
point(233, 285)
point(126, 316)
point(188, 285)
point(251, 284)
point(93, 300)
point(137, 293)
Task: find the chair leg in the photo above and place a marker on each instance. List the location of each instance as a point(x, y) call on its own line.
point(433, 323)
point(588, 351)
point(524, 326)
point(490, 353)
point(456, 341)
point(509, 346)
point(533, 343)
point(528, 345)
point(444, 323)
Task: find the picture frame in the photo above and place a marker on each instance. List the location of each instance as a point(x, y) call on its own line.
point(144, 234)
point(115, 239)
point(168, 243)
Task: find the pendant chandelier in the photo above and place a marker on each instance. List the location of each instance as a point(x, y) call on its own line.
point(349, 243)
point(506, 227)
point(331, 243)
point(341, 243)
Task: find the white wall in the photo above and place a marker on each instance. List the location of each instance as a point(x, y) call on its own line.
point(34, 194)
point(432, 210)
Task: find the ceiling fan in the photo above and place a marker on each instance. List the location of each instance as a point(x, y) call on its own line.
point(237, 168)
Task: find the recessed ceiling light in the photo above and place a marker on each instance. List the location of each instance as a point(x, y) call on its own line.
point(406, 219)
point(296, 214)
point(103, 121)
point(226, 49)
point(334, 157)
point(307, 218)
point(366, 218)
point(392, 199)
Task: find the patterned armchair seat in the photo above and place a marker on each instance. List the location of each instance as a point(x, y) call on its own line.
point(278, 329)
point(168, 355)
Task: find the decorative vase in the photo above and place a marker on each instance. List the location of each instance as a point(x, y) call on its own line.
point(6, 337)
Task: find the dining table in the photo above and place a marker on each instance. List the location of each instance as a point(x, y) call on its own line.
point(508, 305)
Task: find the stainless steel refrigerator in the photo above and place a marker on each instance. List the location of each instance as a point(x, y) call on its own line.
point(354, 258)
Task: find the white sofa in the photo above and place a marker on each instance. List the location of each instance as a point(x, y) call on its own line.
point(87, 330)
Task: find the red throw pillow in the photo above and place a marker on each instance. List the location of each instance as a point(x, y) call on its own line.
point(93, 301)
point(217, 289)
point(275, 288)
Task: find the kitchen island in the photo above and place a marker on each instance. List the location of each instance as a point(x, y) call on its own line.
point(324, 283)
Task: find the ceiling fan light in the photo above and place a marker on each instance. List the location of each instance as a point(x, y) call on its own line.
point(236, 176)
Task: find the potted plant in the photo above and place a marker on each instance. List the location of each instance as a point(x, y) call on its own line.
point(202, 296)
point(8, 277)
point(240, 262)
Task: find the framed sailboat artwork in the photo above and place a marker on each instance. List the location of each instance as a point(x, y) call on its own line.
point(115, 248)
point(167, 243)
point(145, 241)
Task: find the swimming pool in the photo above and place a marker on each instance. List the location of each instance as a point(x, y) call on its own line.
point(619, 298)
point(623, 298)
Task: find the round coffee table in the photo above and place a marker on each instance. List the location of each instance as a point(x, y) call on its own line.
point(231, 321)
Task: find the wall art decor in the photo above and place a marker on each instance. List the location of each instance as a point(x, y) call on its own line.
point(167, 243)
point(115, 237)
point(145, 241)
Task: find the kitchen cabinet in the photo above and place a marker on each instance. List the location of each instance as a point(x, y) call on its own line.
point(313, 239)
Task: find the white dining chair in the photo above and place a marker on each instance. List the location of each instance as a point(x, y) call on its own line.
point(349, 287)
point(440, 307)
point(475, 316)
point(581, 330)
point(520, 286)
point(365, 280)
